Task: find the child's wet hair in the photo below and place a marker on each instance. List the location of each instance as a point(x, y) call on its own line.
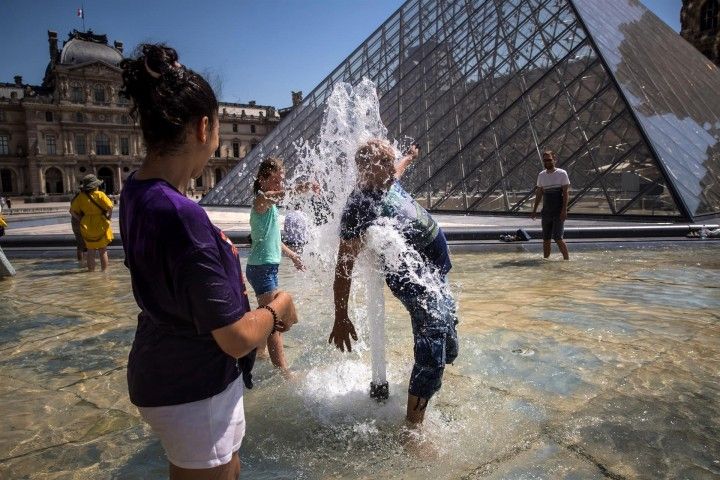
point(369, 152)
point(267, 167)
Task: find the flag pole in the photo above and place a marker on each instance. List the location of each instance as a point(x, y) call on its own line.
point(82, 6)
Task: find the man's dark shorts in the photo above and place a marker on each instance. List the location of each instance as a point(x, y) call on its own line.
point(552, 227)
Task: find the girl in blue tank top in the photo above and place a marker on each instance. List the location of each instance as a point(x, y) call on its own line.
point(267, 247)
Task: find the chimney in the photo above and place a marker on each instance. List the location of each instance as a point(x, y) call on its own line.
point(18, 80)
point(297, 98)
point(119, 46)
point(53, 41)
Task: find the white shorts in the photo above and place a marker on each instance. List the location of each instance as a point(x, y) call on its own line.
point(202, 434)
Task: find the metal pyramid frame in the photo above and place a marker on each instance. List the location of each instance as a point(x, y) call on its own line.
point(630, 108)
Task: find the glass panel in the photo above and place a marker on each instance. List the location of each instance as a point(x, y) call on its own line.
point(672, 89)
point(486, 85)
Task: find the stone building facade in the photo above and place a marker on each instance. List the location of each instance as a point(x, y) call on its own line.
point(700, 25)
point(75, 123)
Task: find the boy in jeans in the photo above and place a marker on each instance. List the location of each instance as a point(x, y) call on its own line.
point(379, 199)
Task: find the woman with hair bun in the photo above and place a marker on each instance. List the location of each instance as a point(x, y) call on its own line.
point(196, 335)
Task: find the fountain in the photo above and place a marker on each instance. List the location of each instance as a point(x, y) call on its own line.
point(379, 386)
point(352, 117)
point(6, 268)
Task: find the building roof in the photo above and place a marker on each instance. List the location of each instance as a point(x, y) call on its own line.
point(87, 47)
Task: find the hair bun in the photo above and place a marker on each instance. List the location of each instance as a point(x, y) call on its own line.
point(165, 95)
point(160, 60)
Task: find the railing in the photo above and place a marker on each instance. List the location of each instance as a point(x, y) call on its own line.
point(25, 210)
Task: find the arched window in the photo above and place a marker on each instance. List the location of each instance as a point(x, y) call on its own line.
point(218, 175)
point(102, 144)
point(53, 181)
point(7, 181)
point(106, 175)
point(199, 182)
point(709, 15)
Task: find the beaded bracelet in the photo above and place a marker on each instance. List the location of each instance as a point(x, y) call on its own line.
point(274, 316)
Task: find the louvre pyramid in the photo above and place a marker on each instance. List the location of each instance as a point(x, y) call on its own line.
point(630, 108)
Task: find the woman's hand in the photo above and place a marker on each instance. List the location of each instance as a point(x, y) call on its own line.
point(285, 307)
point(253, 328)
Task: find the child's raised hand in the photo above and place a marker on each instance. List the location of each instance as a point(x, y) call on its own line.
point(413, 151)
point(297, 261)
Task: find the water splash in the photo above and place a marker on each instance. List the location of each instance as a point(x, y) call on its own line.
point(352, 117)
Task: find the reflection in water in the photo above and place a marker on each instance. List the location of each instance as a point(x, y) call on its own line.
point(525, 262)
point(603, 365)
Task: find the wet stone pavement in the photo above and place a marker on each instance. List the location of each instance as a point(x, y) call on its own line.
point(607, 366)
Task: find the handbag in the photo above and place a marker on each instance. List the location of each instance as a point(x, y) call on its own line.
point(107, 213)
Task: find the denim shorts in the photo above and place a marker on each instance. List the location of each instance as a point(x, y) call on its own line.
point(263, 278)
point(434, 318)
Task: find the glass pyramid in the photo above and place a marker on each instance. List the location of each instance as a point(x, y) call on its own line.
point(630, 108)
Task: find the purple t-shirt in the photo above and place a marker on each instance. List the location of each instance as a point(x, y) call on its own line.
point(187, 281)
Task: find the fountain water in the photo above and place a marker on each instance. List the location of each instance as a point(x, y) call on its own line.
point(6, 268)
point(352, 118)
point(379, 386)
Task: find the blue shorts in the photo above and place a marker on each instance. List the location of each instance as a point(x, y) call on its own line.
point(434, 319)
point(262, 278)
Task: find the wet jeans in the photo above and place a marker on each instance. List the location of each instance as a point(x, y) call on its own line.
point(434, 319)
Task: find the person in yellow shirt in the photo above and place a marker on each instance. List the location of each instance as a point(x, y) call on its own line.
point(3, 224)
point(93, 209)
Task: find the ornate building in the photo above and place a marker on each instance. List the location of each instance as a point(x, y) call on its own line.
point(700, 20)
point(242, 127)
point(76, 123)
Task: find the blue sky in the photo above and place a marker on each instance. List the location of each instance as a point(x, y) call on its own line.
point(262, 49)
